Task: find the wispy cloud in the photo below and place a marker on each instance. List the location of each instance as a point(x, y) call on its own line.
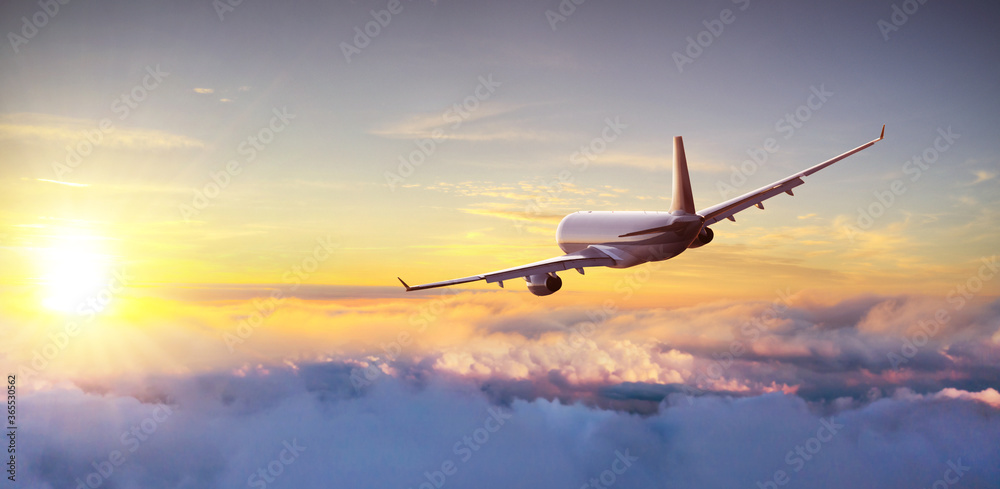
point(47, 129)
point(654, 162)
point(516, 215)
point(71, 184)
point(534, 195)
point(491, 121)
point(983, 176)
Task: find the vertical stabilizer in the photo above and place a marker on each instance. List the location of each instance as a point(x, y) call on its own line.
point(682, 198)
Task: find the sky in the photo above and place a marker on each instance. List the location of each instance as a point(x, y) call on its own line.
point(204, 206)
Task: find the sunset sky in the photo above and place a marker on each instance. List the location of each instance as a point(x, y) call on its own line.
point(205, 205)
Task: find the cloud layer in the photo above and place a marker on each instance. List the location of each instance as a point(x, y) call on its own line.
point(868, 391)
point(308, 426)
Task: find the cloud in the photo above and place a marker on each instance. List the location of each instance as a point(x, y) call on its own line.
point(539, 202)
point(587, 361)
point(70, 184)
point(653, 161)
point(988, 396)
point(579, 383)
point(204, 90)
point(489, 121)
point(305, 425)
point(983, 176)
point(803, 342)
point(46, 129)
point(822, 350)
point(517, 215)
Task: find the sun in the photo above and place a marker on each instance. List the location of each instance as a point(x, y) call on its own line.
point(72, 271)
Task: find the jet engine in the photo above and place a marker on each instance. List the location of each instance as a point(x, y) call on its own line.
point(704, 238)
point(543, 284)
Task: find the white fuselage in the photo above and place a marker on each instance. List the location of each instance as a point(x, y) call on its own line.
point(586, 228)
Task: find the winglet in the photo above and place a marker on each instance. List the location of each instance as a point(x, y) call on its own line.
point(882, 136)
point(404, 284)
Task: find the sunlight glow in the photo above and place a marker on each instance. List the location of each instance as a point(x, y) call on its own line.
point(73, 270)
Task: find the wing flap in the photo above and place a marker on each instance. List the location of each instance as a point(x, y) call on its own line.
point(727, 209)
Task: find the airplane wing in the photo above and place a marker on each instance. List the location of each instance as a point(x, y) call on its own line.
point(726, 209)
point(592, 256)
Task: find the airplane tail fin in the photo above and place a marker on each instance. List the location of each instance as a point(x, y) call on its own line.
point(682, 198)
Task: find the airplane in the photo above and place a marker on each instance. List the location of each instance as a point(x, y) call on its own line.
point(618, 239)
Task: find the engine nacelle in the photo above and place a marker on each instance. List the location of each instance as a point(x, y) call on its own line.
point(704, 238)
point(543, 284)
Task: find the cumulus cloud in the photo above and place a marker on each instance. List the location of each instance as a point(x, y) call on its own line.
point(718, 394)
point(580, 361)
point(308, 426)
point(795, 343)
point(798, 343)
point(988, 396)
